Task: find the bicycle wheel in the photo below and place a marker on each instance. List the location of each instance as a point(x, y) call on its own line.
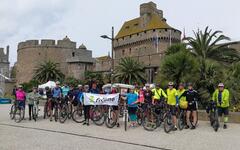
point(98, 116)
point(150, 122)
point(34, 113)
point(125, 120)
point(111, 119)
point(18, 115)
point(63, 114)
point(78, 116)
point(45, 112)
point(168, 124)
point(139, 117)
point(181, 120)
point(211, 117)
point(11, 113)
point(216, 122)
point(56, 114)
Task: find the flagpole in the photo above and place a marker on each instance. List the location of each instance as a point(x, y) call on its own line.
point(157, 42)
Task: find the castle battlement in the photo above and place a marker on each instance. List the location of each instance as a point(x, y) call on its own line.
point(65, 43)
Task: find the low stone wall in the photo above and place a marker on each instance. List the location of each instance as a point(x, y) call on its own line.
point(234, 117)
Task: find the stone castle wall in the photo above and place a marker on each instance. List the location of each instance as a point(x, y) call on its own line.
point(32, 53)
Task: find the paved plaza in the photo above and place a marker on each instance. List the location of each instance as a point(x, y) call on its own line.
point(46, 135)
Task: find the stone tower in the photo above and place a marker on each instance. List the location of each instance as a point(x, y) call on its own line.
point(145, 39)
point(4, 61)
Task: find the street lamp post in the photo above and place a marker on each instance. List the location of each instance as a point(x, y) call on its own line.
point(112, 59)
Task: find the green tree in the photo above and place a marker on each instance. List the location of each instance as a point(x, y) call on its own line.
point(28, 86)
point(72, 81)
point(232, 83)
point(94, 77)
point(130, 71)
point(48, 71)
point(207, 45)
point(178, 66)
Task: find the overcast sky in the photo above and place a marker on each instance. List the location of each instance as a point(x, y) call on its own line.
point(85, 20)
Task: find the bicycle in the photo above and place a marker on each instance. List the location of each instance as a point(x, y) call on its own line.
point(12, 110)
point(140, 114)
point(19, 112)
point(154, 116)
point(110, 117)
point(125, 116)
point(57, 107)
point(35, 110)
point(168, 120)
point(77, 114)
point(150, 118)
point(191, 115)
point(213, 116)
point(64, 111)
point(182, 119)
point(47, 109)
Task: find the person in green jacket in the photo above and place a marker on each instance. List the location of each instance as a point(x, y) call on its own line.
point(31, 97)
point(221, 98)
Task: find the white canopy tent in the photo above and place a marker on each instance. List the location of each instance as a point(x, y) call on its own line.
point(50, 84)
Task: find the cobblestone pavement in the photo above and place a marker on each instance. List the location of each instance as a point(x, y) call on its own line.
point(46, 135)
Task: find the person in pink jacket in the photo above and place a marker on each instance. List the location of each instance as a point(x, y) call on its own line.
point(21, 97)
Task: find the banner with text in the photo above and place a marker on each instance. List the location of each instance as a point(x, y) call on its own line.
point(101, 99)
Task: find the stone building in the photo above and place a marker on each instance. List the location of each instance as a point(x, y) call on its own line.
point(103, 64)
point(4, 69)
point(145, 39)
point(73, 61)
point(4, 61)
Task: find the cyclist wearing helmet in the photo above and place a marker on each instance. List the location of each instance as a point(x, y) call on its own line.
point(158, 93)
point(180, 91)
point(21, 98)
point(221, 97)
point(172, 101)
point(57, 95)
point(31, 97)
point(192, 97)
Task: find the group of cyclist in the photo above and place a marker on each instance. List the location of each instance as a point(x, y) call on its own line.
point(182, 98)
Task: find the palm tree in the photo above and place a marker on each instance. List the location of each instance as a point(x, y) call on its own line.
point(176, 48)
point(232, 82)
point(178, 67)
point(48, 71)
point(206, 45)
point(130, 71)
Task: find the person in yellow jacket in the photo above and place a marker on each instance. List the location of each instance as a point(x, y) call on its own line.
point(180, 92)
point(158, 93)
point(172, 101)
point(221, 98)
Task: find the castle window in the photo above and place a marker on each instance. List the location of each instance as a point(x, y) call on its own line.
point(145, 31)
point(127, 27)
point(130, 50)
point(39, 53)
point(166, 30)
point(136, 24)
point(130, 36)
point(123, 51)
point(73, 54)
point(137, 34)
point(154, 30)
